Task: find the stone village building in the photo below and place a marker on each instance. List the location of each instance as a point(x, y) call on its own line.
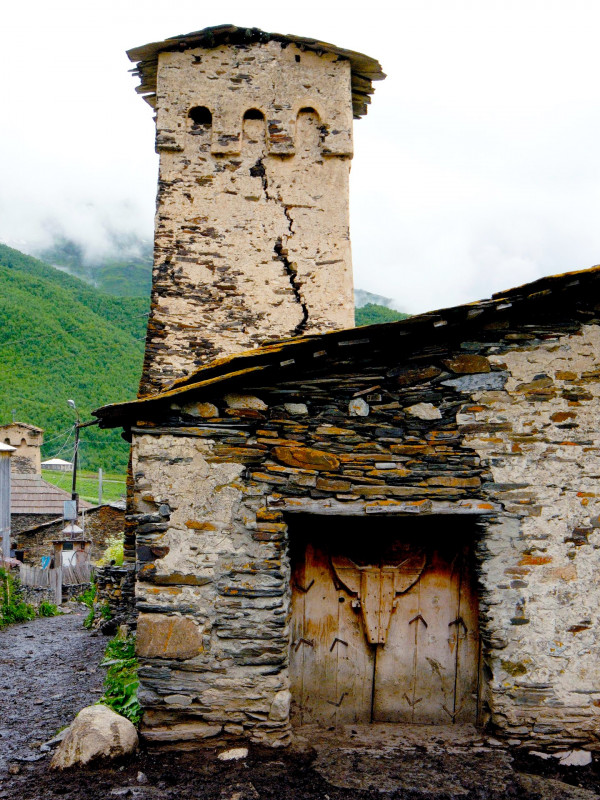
point(397, 523)
point(36, 506)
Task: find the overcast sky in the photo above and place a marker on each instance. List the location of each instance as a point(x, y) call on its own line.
point(477, 167)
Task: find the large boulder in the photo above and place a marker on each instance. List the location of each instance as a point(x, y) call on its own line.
point(96, 732)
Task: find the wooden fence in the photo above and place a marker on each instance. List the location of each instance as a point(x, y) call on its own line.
point(55, 579)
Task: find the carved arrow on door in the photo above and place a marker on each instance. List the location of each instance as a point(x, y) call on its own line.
point(303, 589)
point(459, 621)
point(452, 714)
point(337, 705)
point(309, 642)
point(417, 618)
point(414, 702)
point(335, 641)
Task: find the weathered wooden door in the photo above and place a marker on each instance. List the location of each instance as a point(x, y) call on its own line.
point(384, 629)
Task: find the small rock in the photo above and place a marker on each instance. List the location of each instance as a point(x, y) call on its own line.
point(14, 769)
point(280, 707)
point(296, 408)
point(426, 411)
point(56, 739)
point(239, 791)
point(539, 754)
point(142, 778)
point(574, 758)
point(97, 731)
point(358, 407)
point(204, 410)
point(234, 400)
point(235, 754)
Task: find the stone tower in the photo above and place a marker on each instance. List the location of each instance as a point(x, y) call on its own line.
point(27, 439)
point(254, 132)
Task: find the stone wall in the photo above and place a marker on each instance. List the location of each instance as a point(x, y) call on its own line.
point(34, 534)
point(500, 422)
point(115, 588)
point(252, 229)
point(36, 595)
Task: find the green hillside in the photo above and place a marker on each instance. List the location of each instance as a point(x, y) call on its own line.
point(61, 338)
point(372, 314)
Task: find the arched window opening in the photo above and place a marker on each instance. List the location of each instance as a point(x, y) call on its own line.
point(254, 113)
point(7, 441)
point(23, 443)
point(309, 110)
point(200, 115)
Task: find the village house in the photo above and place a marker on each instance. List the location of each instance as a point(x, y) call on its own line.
point(398, 523)
point(36, 506)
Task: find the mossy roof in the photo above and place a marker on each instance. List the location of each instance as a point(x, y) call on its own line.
point(558, 296)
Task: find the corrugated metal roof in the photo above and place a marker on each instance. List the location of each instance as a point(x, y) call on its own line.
point(365, 70)
point(282, 357)
point(30, 494)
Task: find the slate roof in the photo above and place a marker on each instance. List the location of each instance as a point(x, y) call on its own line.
point(556, 295)
point(30, 494)
point(21, 425)
point(365, 70)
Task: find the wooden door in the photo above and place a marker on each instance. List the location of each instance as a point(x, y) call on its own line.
point(384, 629)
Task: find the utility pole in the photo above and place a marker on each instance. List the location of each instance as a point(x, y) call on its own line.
point(6, 452)
point(78, 426)
point(74, 495)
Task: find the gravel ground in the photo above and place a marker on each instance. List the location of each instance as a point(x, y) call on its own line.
point(49, 671)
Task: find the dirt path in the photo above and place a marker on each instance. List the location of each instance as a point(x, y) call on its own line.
point(48, 671)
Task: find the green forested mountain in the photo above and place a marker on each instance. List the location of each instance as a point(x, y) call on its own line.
point(61, 338)
point(372, 313)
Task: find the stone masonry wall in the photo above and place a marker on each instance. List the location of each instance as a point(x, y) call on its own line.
point(34, 534)
point(501, 423)
point(252, 229)
point(540, 438)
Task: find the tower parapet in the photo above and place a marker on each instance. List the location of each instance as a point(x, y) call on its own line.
point(254, 132)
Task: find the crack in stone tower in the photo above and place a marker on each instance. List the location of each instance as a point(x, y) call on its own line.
point(252, 242)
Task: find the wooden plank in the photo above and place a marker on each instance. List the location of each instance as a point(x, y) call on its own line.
point(394, 693)
point(298, 640)
point(56, 579)
point(436, 659)
point(354, 665)
point(321, 627)
point(468, 653)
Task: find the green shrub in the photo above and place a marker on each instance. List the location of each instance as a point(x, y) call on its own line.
point(12, 606)
point(88, 596)
point(46, 609)
point(121, 682)
point(89, 620)
point(113, 552)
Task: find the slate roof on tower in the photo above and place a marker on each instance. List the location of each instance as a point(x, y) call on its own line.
point(365, 70)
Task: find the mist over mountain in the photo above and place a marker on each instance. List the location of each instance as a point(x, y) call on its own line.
point(125, 269)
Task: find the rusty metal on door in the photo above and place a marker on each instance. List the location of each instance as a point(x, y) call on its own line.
point(384, 630)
